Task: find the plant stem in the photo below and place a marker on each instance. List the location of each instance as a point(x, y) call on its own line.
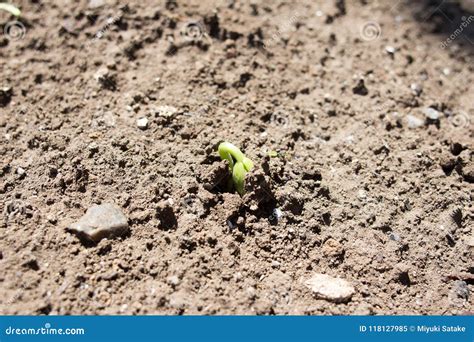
point(10, 8)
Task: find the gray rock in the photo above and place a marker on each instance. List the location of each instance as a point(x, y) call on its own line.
point(330, 288)
point(414, 122)
point(460, 289)
point(100, 221)
point(431, 113)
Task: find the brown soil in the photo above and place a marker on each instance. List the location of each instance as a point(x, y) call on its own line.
point(364, 197)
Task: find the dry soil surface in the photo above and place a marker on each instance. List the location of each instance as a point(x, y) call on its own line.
point(366, 108)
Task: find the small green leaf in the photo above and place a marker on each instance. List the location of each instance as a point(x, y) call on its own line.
point(239, 164)
point(272, 154)
point(238, 176)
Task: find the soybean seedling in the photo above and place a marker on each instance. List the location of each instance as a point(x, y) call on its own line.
point(239, 164)
point(10, 8)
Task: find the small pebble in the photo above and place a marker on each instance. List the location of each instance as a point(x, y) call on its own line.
point(414, 122)
point(330, 288)
point(390, 49)
point(173, 280)
point(416, 88)
point(166, 111)
point(93, 147)
point(394, 236)
point(142, 123)
point(275, 264)
point(6, 94)
point(100, 221)
point(51, 219)
point(431, 113)
point(20, 171)
point(461, 289)
point(277, 214)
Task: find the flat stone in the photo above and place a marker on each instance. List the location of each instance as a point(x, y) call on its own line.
point(330, 288)
point(431, 113)
point(414, 122)
point(100, 221)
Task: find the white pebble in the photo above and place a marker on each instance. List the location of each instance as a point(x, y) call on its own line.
point(414, 122)
point(416, 88)
point(330, 288)
point(390, 49)
point(277, 213)
point(431, 113)
point(142, 123)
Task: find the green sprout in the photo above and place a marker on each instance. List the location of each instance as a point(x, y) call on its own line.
point(10, 8)
point(239, 164)
point(272, 154)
